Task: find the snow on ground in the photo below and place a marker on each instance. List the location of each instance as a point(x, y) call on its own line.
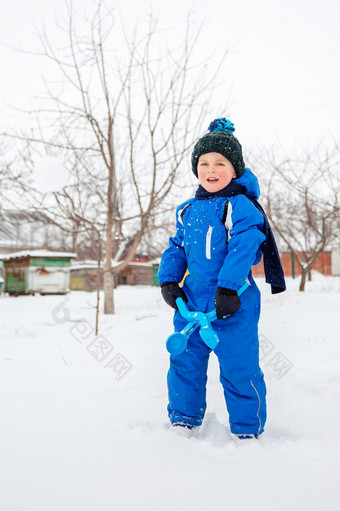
point(83, 422)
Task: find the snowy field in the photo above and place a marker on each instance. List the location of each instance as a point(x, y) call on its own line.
point(83, 422)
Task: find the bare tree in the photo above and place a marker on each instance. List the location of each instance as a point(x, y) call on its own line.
point(15, 171)
point(302, 202)
point(124, 122)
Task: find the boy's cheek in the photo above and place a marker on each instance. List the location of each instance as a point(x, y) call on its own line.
point(201, 176)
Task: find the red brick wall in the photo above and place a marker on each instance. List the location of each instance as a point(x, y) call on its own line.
point(322, 265)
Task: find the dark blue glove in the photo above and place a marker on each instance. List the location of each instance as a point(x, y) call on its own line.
point(170, 291)
point(226, 302)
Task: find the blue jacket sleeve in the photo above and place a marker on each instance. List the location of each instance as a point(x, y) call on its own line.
point(174, 262)
point(244, 224)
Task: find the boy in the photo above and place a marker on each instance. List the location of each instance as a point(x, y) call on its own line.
point(221, 233)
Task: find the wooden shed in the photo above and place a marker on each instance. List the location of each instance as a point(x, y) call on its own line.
point(37, 271)
point(2, 280)
point(322, 265)
point(136, 273)
point(2, 273)
point(84, 276)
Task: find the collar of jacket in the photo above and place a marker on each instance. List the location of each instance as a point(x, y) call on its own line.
point(231, 190)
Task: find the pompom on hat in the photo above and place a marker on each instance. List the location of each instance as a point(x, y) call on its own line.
point(220, 139)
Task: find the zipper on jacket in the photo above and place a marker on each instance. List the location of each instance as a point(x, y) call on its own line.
point(208, 243)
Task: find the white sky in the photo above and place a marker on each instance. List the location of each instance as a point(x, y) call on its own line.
point(282, 76)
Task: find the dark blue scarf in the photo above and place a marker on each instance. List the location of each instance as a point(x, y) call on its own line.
point(271, 258)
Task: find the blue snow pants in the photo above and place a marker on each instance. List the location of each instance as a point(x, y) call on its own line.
point(240, 374)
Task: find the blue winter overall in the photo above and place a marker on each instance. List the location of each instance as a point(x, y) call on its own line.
point(217, 241)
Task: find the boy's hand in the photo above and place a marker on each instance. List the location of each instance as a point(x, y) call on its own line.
point(226, 302)
point(170, 291)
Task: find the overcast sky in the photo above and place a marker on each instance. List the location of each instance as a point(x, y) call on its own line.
point(282, 75)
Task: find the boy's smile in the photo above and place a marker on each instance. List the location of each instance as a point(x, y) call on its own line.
point(214, 171)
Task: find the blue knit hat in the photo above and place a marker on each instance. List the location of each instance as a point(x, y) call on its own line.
point(220, 139)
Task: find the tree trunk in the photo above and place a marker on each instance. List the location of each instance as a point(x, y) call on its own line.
point(99, 274)
point(303, 280)
point(108, 277)
point(109, 307)
point(111, 204)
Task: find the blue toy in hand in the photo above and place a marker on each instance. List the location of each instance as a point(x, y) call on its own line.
point(177, 342)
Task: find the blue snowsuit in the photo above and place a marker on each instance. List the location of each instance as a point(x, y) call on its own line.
point(217, 241)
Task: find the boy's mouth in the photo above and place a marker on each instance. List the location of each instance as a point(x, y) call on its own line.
point(212, 179)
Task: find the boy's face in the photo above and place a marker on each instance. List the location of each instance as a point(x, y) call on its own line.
point(214, 171)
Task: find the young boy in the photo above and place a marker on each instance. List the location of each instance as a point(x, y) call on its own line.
point(221, 233)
